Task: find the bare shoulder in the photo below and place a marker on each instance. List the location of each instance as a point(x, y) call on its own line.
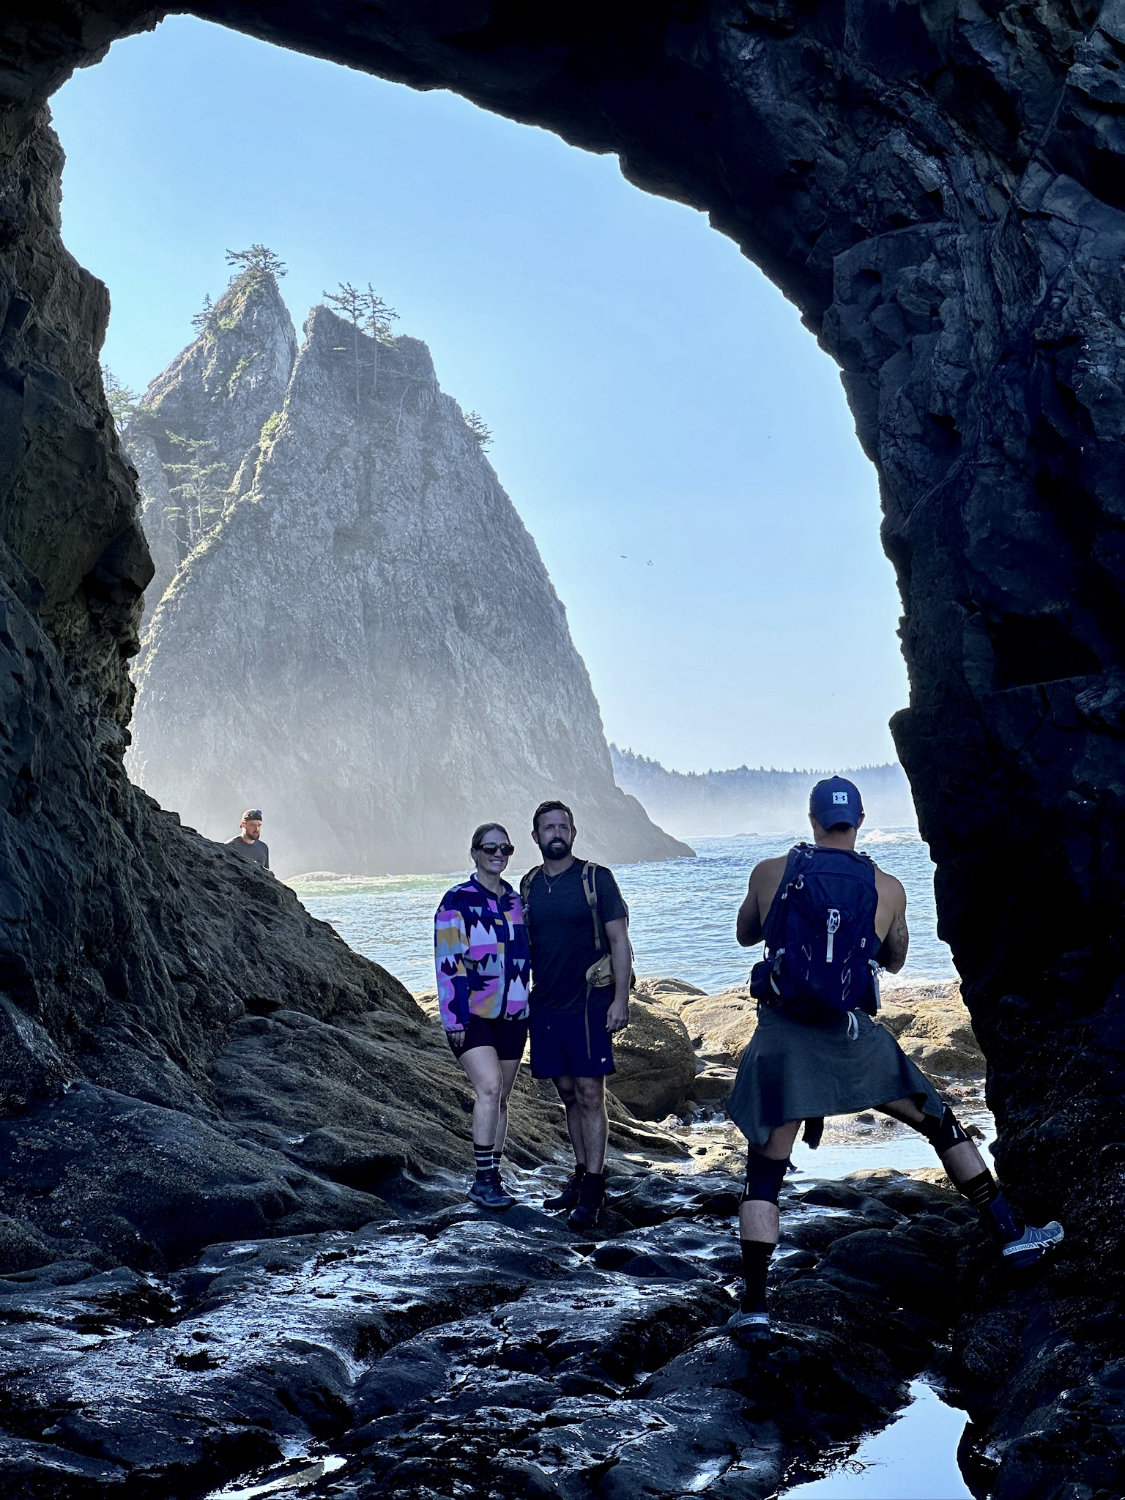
point(765, 878)
point(767, 870)
point(890, 888)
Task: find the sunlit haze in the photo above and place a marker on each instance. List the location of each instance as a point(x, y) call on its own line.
point(674, 440)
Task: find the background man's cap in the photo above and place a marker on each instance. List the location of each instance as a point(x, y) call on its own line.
point(256, 813)
point(836, 801)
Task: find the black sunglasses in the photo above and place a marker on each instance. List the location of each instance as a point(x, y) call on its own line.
point(254, 813)
point(505, 849)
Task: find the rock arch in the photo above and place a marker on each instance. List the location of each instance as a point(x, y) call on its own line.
point(940, 187)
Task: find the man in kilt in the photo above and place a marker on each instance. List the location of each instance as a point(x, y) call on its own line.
point(830, 919)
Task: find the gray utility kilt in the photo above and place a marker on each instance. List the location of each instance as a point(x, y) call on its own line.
point(791, 1071)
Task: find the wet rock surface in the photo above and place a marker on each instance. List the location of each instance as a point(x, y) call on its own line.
point(444, 1353)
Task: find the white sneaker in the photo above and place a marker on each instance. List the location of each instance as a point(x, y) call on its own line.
point(1032, 1244)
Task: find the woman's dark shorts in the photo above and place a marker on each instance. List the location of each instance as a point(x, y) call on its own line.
point(507, 1037)
point(572, 1043)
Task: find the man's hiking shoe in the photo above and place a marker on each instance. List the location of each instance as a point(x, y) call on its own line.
point(487, 1194)
point(1032, 1245)
point(568, 1197)
point(501, 1187)
point(591, 1196)
point(749, 1327)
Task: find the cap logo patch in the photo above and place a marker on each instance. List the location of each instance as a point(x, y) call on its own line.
point(839, 799)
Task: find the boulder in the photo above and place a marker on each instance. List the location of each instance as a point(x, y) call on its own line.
point(656, 1065)
point(673, 992)
point(933, 1028)
point(720, 1026)
point(713, 1085)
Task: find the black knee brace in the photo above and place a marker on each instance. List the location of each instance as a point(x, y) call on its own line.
point(764, 1177)
point(942, 1134)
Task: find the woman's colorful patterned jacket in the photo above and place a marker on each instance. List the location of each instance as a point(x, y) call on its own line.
point(481, 954)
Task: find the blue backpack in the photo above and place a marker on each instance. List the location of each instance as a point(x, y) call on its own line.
point(820, 938)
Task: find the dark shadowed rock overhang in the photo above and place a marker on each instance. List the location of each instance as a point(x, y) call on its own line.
point(940, 189)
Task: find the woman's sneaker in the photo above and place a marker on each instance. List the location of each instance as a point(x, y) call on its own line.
point(569, 1195)
point(488, 1194)
point(1032, 1245)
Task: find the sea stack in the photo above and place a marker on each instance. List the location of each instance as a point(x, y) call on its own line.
point(355, 629)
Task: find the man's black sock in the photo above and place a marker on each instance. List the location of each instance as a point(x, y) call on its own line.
point(755, 1267)
point(482, 1157)
point(984, 1193)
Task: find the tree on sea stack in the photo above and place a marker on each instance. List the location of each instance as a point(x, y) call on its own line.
point(198, 488)
point(123, 402)
point(204, 320)
point(479, 428)
point(368, 313)
point(258, 258)
point(377, 319)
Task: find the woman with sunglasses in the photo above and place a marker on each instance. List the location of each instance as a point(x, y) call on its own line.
point(483, 976)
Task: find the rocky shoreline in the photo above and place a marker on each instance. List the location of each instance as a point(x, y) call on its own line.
point(436, 1351)
point(442, 1353)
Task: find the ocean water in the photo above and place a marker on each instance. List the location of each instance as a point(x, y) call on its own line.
point(682, 911)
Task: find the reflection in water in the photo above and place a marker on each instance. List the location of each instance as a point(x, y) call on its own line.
point(912, 1459)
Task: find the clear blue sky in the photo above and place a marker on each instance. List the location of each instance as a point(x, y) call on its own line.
point(673, 438)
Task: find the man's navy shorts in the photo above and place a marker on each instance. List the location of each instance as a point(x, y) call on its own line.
point(572, 1043)
point(506, 1037)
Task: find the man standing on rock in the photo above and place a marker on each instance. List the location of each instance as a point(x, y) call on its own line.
point(830, 918)
point(576, 918)
point(249, 841)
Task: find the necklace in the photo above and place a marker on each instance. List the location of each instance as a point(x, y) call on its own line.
point(551, 884)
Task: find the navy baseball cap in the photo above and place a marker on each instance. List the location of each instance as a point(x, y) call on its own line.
point(836, 801)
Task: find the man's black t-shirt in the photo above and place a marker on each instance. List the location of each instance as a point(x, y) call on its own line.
point(561, 927)
point(257, 852)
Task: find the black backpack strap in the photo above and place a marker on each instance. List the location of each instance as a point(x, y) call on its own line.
point(589, 886)
point(775, 917)
point(525, 888)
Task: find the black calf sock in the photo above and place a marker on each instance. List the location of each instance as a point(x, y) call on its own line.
point(984, 1193)
point(755, 1267)
point(482, 1158)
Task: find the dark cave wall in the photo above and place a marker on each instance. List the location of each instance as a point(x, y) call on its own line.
point(940, 189)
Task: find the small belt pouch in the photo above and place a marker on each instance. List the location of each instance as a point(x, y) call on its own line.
point(600, 973)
